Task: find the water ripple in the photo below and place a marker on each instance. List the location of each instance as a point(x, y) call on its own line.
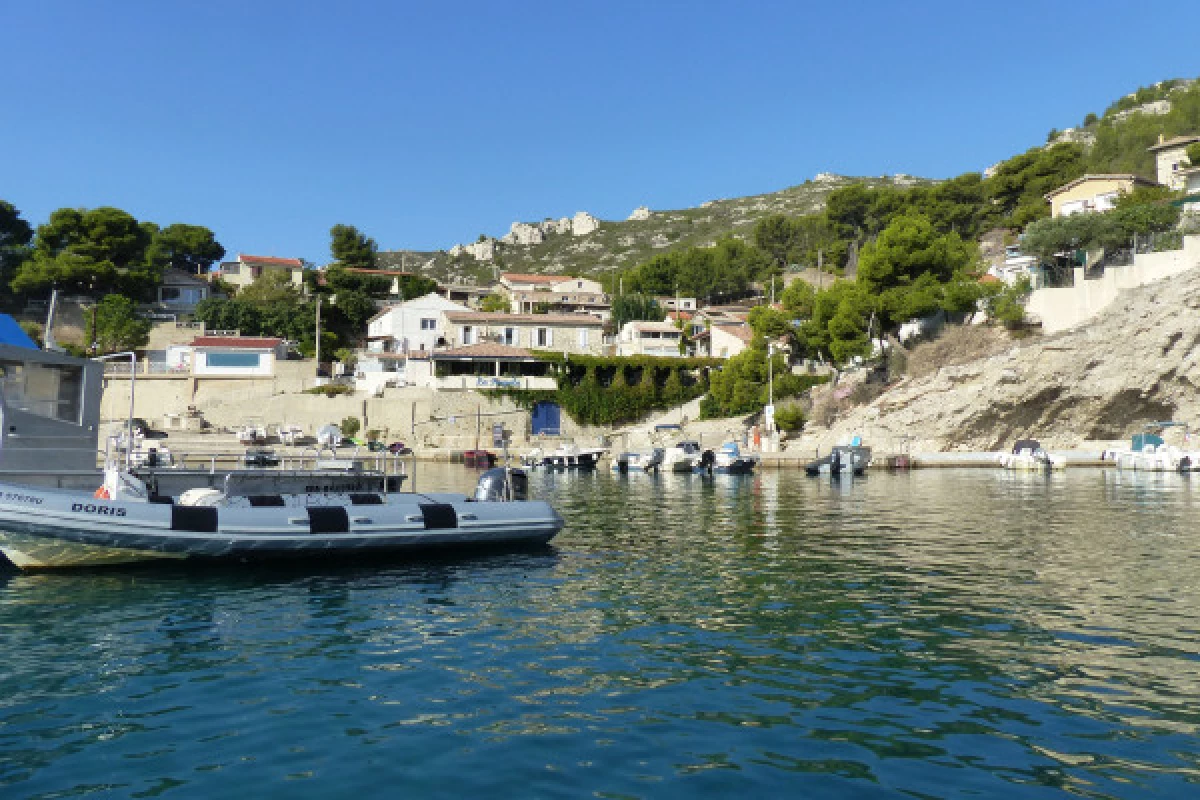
point(933, 634)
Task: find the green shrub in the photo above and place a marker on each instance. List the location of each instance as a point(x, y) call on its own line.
point(330, 389)
point(789, 418)
point(350, 426)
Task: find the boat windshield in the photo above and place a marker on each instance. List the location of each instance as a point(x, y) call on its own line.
point(47, 390)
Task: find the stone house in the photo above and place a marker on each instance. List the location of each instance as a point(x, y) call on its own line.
point(1171, 161)
point(557, 294)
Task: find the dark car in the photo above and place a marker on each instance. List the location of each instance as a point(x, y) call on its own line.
point(399, 448)
point(260, 457)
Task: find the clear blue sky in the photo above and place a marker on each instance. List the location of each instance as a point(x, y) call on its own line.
point(427, 124)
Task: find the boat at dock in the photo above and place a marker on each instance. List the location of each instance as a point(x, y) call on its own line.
point(634, 461)
point(730, 460)
point(1149, 452)
point(126, 522)
point(1028, 455)
point(842, 460)
point(567, 456)
point(683, 457)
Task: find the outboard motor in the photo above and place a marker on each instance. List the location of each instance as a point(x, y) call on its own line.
point(501, 485)
point(707, 459)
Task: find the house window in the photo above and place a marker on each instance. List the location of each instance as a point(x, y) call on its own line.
point(543, 337)
point(510, 336)
point(583, 337)
point(428, 324)
point(468, 335)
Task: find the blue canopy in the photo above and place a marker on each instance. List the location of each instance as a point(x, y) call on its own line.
point(11, 333)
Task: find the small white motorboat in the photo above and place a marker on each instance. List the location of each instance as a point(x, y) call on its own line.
point(682, 457)
point(1149, 453)
point(635, 461)
point(729, 460)
point(566, 456)
point(1028, 455)
point(123, 523)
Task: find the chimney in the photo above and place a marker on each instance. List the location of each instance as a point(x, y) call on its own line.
point(1161, 138)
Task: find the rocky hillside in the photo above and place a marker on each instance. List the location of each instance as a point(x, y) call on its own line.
point(571, 245)
point(1139, 362)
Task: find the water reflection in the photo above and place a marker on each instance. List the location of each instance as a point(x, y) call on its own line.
point(932, 633)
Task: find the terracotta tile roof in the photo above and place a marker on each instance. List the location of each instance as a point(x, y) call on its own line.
point(686, 315)
point(524, 277)
point(484, 350)
point(283, 262)
point(248, 342)
point(500, 318)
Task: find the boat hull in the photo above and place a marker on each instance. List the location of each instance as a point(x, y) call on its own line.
point(42, 529)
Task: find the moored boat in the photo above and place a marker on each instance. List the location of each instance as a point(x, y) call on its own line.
point(650, 461)
point(566, 456)
point(729, 459)
point(683, 457)
point(51, 528)
point(842, 460)
point(1028, 455)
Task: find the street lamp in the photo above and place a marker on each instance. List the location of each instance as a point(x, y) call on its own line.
point(769, 411)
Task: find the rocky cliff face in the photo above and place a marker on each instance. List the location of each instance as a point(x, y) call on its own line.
point(1138, 362)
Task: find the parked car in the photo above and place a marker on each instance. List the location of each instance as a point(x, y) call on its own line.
point(260, 457)
point(399, 448)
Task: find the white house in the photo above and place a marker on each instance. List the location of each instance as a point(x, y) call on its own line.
point(647, 338)
point(236, 356)
point(411, 326)
point(564, 333)
point(726, 341)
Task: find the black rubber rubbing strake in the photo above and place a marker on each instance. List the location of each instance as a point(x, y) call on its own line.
point(439, 515)
point(199, 519)
point(328, 519)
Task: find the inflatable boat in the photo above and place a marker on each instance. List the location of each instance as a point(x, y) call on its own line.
point(123, 523)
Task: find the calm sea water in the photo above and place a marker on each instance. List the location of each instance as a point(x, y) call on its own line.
point(933, 634)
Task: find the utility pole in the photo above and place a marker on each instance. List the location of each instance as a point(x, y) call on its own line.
point(318, 336)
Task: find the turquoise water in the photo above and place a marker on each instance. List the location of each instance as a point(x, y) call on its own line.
point(933, 634)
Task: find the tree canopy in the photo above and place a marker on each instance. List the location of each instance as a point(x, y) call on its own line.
point(350, 248)
point(192, 248)
point(15, 236)
point(116, 326)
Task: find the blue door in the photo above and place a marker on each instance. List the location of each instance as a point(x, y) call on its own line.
point(546, 417)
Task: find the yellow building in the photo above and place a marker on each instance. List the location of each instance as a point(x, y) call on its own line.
point(1092, 193)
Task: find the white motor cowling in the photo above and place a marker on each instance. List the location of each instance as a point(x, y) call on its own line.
point(122, 487)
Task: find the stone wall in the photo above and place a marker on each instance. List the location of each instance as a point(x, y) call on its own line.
point(1063, 308)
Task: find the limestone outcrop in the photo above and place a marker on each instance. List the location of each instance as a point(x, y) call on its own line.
point(1138, 362)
